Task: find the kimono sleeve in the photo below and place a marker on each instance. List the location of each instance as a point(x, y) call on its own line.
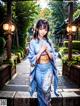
point(54, 54)
point(32, 55)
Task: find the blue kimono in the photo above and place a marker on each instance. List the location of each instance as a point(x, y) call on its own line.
point(42, 74)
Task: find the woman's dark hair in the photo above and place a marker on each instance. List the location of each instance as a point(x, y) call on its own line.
point(41, 24)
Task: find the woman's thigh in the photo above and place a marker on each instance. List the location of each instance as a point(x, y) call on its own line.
point(38, 77)
point(47, 80)
point(44, 78)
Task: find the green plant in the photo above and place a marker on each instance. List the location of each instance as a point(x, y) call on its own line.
point(75, 60)
point(12, 61)
point(64, 50)
point(75, 44)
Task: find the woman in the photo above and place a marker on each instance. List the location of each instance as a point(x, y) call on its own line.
point(42, 56)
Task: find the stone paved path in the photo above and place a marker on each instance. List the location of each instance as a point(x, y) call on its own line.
point(15, 91)
point(20, 82)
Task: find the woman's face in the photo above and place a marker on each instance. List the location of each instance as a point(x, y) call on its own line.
point(42, 32)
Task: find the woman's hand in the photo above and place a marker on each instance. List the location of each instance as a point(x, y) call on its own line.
point(42, 49)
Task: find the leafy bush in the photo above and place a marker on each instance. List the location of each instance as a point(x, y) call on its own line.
point(19, 52)
point(64, 50)
point(75, 44)
point(75, 60)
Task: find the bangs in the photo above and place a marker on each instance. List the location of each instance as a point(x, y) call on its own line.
point(43, 27)
point(42, 24)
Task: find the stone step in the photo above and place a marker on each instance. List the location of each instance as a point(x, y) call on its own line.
point(12, 87)
point(19, 98)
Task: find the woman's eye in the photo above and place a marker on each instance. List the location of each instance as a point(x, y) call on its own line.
point(45, 29)
point(40, 29)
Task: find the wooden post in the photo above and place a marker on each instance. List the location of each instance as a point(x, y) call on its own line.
point(9, 39)
point(70, 11)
